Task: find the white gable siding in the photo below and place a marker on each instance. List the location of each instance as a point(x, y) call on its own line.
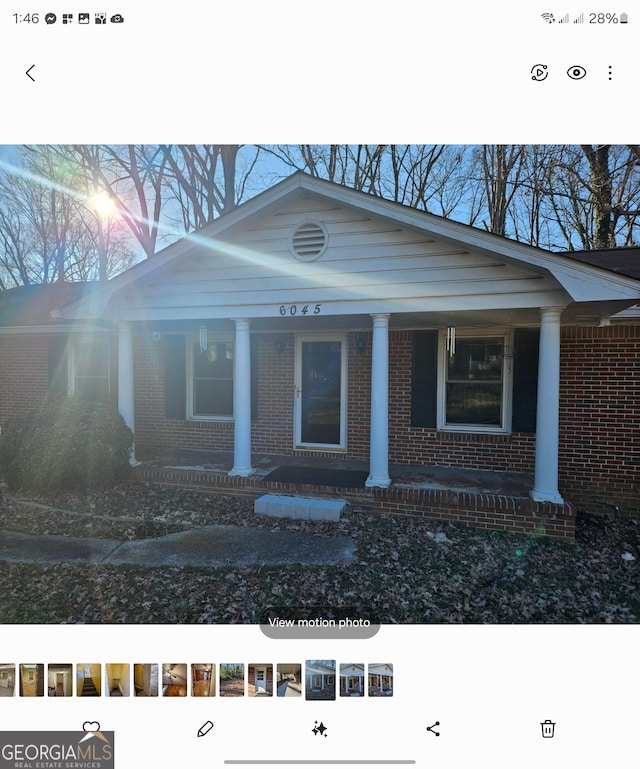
point(370, 265)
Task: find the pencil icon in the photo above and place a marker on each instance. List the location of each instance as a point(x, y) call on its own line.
point(206, 727)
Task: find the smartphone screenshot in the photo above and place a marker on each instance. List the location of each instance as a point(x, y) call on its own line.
point(319, 415)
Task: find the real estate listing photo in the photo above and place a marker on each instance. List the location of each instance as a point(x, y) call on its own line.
point(382, 381)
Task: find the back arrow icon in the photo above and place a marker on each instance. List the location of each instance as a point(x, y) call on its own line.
point(28, 71)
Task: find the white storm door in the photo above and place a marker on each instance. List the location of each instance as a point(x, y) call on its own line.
point(320, 393)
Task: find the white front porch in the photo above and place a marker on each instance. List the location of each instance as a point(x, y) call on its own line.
point(543, 488)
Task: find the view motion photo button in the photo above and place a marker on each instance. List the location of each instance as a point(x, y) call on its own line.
point(318, 622)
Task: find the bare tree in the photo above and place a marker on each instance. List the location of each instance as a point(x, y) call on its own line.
point(133, 177)
point(47, 232)
point(205, 180)
point(594, 196)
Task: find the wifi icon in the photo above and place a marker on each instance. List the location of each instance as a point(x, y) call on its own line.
point(548, 17)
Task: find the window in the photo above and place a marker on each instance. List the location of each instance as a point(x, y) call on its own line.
point(211, 390)
point(474, 394)
point(89, 377)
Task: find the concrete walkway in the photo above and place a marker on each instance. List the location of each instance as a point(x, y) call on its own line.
point(209, 546)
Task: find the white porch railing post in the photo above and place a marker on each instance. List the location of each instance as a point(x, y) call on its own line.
point(125, 381)
point(242, 400)
point(379, 432)
point(545, 488)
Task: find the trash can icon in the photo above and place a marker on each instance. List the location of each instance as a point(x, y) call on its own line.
point(548, 727)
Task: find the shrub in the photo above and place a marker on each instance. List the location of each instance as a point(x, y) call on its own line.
point(68, 444)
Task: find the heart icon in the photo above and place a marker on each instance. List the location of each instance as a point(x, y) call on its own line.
point(91, 726)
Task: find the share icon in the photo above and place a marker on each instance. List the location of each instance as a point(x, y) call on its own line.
point(432, 728)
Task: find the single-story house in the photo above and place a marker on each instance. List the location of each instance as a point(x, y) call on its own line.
point(324, 324)
point(351, 680)
point(380, 679)
point(320, 680)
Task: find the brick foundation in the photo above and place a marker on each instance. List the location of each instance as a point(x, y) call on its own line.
point(484, 511)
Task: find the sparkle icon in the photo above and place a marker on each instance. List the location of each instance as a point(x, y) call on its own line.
point(319, 728)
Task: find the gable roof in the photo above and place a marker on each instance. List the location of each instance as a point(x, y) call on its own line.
point(577, 280)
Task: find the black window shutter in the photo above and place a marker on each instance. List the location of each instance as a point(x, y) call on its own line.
point(255, 354)
point(526, 342)
point(175, 372)
point(424, 378)
point(57, 365)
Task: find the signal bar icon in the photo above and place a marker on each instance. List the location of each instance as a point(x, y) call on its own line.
point(579, 19)
point(564, 19)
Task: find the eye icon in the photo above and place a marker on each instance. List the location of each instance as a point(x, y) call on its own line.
point(576, 72)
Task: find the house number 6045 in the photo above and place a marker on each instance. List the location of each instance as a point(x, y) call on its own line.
point(300, 309)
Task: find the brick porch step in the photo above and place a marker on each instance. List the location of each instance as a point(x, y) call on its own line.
point(301, 508)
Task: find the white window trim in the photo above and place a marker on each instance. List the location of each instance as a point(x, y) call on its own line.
point(71, 362)
point(191, 340)
point(506, 334)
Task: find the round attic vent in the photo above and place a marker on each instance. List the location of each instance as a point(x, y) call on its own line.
point(308, 241)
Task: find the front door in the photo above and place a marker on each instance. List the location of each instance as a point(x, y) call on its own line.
point(261, 680)
point(321, 392)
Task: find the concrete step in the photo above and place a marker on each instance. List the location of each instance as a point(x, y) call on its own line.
point(300, 508)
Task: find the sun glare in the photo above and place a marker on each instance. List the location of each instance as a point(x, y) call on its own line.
point(103, 204)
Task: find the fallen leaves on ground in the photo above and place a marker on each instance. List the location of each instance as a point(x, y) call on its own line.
point(407, 570)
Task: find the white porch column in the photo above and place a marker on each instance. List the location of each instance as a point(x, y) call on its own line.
point(379, 433)
point(125, 381)
point(545, 488)
point(242, 400)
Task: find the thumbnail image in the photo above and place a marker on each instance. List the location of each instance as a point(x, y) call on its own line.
point(117, 679)
point(31, 680)
point(174, 679)
point(232, 679)
point(259, 680)
point(60, 680)
point(320, 679)
point(380, 678)
point(352, 679)
point(88, 679)
point(203, 679)
point(145, 680)
point(7, 679)
point(289, 679)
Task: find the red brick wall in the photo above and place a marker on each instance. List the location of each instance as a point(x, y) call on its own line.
point(23, 373)
point(419, 445)
point(272, 430)
point(600, 417)
point(599, 410)
point(154, 432)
